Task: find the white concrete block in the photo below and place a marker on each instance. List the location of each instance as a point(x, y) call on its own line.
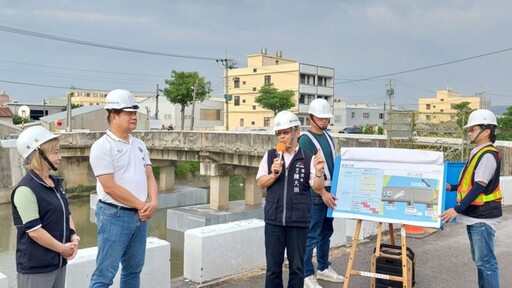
point(368, 228)
point(222, 250)
point(156, 271)
point(506, 189)
point(3, 281)
point(339, 237)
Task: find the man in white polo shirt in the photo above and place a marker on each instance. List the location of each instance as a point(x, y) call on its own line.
point(127, 193)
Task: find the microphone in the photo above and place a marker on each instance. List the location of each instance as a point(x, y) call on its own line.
point(280, 148)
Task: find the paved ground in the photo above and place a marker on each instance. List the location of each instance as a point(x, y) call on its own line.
point(442, 260)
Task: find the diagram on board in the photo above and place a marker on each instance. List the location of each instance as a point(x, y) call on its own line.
point(401, 187)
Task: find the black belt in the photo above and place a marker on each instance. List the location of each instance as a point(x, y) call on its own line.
point(118, 207)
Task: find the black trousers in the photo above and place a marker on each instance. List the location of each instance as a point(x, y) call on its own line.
point(277, 239)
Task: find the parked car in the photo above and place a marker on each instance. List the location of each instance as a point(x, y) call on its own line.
point(352, 130)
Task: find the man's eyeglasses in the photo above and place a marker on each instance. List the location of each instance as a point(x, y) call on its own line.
point(472, 129)
point(283, 132)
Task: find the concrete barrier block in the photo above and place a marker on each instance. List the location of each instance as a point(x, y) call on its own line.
point(339, 237)
point(506, 189)
point(156, 271)
point(3, 281)
point(222, 250)
point(368, 228)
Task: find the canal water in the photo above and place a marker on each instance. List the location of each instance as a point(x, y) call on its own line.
point(87, 231)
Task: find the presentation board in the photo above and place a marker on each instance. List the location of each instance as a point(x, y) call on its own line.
point(389, 185)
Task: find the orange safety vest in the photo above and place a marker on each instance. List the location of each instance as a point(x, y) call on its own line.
point(466, 180)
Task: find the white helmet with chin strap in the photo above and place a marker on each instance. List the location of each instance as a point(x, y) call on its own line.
point(320, 108)
point(33, 137)
point(120, 99)
point(481, 117)
point(285, 120)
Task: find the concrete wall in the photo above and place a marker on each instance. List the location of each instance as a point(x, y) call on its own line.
point(156, 271)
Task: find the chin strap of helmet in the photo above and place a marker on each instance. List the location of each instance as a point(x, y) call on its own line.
point(313, 120)
point(41, 153)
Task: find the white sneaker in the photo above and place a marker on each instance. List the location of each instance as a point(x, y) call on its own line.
point(310, 282)
point(330, 275)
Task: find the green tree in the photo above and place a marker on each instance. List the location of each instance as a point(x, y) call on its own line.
point(272, 99)
point(16, 120)
point(180, 90)
point(76, 105)
point(463, 111)
point(505, 125)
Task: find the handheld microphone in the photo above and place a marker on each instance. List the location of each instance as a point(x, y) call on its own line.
point(280, 148)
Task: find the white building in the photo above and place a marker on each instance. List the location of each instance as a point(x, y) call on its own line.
point(356, 115)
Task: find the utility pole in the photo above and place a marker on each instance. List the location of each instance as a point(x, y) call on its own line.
point(68, 114)
point(44, 107)
point(193, 105)
point(156, 108)
point(228, 64)
point(390, 91)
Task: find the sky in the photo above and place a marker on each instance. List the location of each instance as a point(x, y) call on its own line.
point(420, 46)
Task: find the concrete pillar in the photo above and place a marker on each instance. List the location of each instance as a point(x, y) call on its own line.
point(219, 192)
point(253, 193)
point(167, 177)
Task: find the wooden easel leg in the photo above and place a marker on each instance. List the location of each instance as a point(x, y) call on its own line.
point(403, 241)
point(352, 253)
point(391, 234)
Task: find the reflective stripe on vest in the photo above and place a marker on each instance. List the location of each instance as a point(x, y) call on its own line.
point(466, 180)
point(317, 145)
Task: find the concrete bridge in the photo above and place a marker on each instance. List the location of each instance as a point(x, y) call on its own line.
point(220, 154)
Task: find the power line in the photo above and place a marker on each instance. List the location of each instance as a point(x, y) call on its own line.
point(428, 67)
point(99, 45)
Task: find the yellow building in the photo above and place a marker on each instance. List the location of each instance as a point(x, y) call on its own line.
point(97, 97)
point(439, 109)
point(308, 82)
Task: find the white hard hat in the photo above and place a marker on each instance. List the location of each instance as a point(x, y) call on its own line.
point(120, 99)
point(284, 120)
point(481, 117)
point(30, 139)
point(320, 108)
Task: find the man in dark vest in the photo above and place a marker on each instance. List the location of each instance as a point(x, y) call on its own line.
point(288, 175)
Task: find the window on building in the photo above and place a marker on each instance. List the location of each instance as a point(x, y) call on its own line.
point(366, 115)
point(302, 79)
point(236, 102)
point(209, 114)
point(322, 81)
point(306, 98)
point(266, 121)
point(254, 70)
point(254, 89)
point(243, 82)
point(442, 100)
point(442, 110)
point(253, 107)
point(243, 100)
point(427, 107)
point(268, 79)
point(353, 115)
point(381, 115)
point(241, 122)
point(253, 123)
point(427, 117)
point(236, 82)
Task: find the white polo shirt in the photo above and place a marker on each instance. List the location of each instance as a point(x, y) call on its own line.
point(127, 162)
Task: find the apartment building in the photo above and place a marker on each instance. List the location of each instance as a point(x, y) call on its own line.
point(97, 97)
point(308, 82)
point(439, 109)
point(356, 115)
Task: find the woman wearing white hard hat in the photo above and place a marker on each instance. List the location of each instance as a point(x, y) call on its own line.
point(46, 237)
point(479, 196)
